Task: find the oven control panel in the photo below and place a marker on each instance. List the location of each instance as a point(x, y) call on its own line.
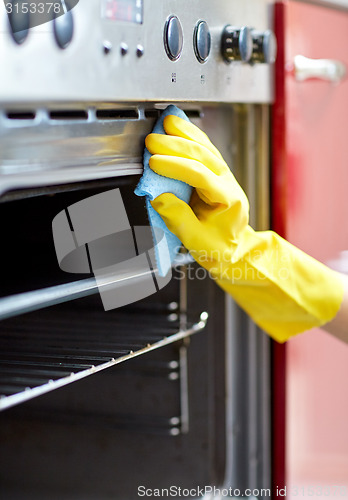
point(131, 50)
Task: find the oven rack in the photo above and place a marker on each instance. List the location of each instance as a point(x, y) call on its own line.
point(20, 303)
point(40, 354)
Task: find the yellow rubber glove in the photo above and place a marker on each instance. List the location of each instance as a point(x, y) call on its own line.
point(283, 289)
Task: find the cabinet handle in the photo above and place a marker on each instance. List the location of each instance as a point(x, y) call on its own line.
point(324, 69)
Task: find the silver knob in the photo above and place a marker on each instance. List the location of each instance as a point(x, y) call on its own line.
point(236, 44)
point(264, 47)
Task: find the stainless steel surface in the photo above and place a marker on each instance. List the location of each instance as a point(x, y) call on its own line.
point(50, 138)
point(37, 179)
point(34, 367)
point(248, 425)
point(44, 146)
point(85, 72)
point(252, 161)
point(184, 388)
point(323, 69)
point(256, 181)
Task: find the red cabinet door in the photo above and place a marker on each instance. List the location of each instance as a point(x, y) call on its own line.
point(310, 203)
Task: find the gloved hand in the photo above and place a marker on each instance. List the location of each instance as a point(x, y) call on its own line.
point(283, 289)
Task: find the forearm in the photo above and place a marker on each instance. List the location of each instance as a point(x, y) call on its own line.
point(283, 289)
point(338, 327)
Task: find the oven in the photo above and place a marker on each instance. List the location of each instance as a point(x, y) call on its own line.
point(169, 395)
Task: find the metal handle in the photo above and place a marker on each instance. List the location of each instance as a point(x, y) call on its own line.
point(324, 69)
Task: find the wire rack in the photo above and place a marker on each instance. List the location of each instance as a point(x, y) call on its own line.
point(40, 352)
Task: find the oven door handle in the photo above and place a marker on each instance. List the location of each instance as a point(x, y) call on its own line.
point(324, 69)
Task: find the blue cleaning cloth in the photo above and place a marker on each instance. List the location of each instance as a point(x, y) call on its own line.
point(152, 185)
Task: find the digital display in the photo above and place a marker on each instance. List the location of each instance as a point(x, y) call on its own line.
point(123, 10)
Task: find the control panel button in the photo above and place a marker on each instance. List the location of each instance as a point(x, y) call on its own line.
point(202, 41)
point(107, 47)
point(140, 50)
point(173, 38)
point(124, 49)
point(63, 29)
point(19, 22)
point(236, 44)
point(264, 47)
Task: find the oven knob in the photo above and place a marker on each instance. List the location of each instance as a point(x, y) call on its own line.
point(63, 29)
point(236, 44)
point(202, 41)
point(173, 38)
point(264, 47)
point(19, 21)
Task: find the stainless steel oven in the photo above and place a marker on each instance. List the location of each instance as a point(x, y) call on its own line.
point(170, 395)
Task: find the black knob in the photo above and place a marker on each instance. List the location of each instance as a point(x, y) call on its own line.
point(236, 44)
point(202, 41)
point(264, 47)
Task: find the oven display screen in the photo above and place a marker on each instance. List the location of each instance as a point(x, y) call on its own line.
point(123, 10)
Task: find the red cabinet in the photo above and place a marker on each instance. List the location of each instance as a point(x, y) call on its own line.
point(310, 202)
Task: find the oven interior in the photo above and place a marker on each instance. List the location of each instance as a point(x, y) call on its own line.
point(152, 418)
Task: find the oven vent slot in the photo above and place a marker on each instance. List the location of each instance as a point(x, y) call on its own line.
point(68, 114)
point(117, 114)
point(20, 115)
point(152, 113)
point(193, 113)
point(101, 114)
